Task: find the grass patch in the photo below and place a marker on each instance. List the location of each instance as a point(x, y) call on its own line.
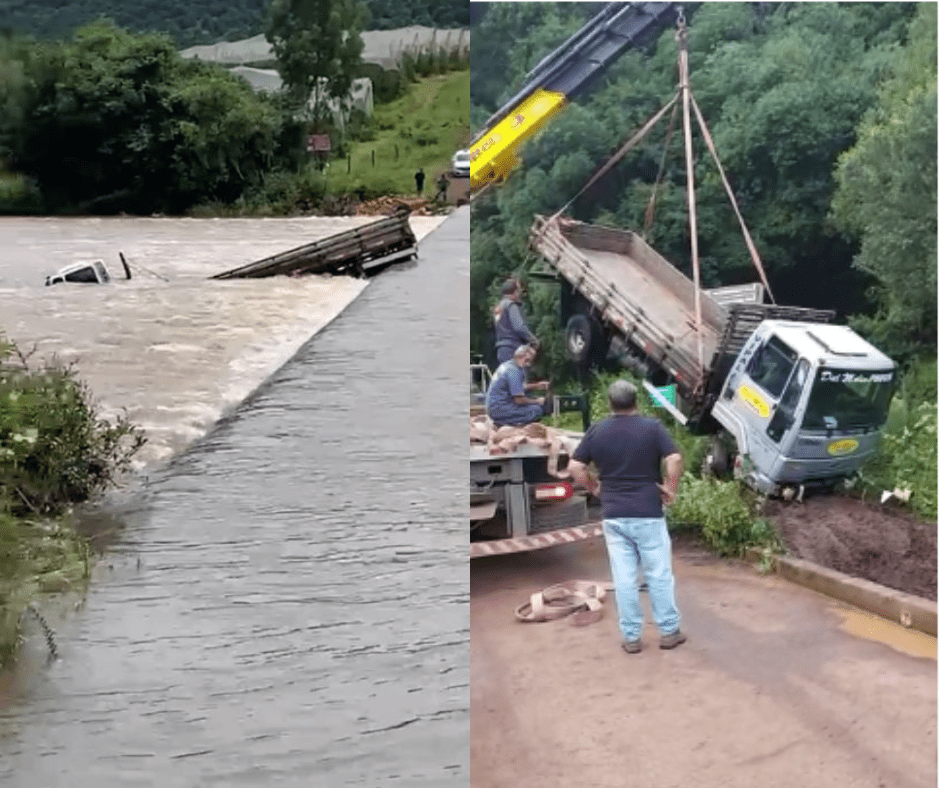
point(421, 129)
point(35, 558)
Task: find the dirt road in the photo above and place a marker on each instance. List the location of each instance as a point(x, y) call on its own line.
point(776, 686)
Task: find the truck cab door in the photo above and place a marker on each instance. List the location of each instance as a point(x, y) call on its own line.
point(757, 395)
point(784, 424)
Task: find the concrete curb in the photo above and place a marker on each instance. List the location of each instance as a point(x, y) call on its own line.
point(908, 610)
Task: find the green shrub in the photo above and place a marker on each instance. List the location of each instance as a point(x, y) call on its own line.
point(54, 448)
point(54, 451)
point(907, 460)
point(18, 195)
point(726, 514)
point(35, 558)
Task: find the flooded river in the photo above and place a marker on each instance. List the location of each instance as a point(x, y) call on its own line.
point(287, 601)
point(171, 349)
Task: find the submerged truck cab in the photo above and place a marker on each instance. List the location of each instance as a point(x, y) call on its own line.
point(805, 403)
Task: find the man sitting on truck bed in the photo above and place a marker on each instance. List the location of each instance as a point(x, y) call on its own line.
point(506, 400)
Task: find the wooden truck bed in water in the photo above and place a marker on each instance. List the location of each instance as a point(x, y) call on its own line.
point(636, 291)
point(356, 252)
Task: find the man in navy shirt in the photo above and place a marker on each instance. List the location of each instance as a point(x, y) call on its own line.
point(628, 451)
point(506, 400)
point(510, 325)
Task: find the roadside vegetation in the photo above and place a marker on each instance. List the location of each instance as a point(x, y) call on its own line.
point(421, 128)
point(728, 516)
point(55, 452)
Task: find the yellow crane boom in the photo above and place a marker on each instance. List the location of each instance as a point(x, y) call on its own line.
point(558, 78)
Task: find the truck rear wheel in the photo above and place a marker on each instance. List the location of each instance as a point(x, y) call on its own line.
point(718, 461)
point(585, 341)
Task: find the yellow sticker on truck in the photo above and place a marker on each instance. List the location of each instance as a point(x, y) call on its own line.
point(845, 446)
point(754, 401)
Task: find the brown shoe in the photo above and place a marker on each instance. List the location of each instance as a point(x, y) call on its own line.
point(632, 646)
point(672, 640)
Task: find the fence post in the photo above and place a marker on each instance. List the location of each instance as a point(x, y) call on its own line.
point(373, 157)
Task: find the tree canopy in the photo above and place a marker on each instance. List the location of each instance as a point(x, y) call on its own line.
point(113, 120)
point(205, 22)
point(887, 191)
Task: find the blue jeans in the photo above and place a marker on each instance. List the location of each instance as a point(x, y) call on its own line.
point(520, 415)
point(633, 542)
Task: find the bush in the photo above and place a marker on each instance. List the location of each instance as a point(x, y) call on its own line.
point(908, 459)
point(54, 451)
point(18, 195)
point(54, 448)
point(282, 193)
point(35, 558)
point(725, 513)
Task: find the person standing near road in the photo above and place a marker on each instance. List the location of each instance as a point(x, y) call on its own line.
point(629, 451)
point(510, 324)
point(507, 403)
point(419, 180)
point(442, 183)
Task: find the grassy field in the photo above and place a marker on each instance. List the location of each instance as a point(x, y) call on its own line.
point(421, 129)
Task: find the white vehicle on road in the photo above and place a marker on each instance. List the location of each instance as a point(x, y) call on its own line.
point(460, 164)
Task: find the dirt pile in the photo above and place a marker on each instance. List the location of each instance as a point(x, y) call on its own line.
point(386, 205)
point(863, 539)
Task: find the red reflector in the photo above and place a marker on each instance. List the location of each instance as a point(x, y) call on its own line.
point(556, 491)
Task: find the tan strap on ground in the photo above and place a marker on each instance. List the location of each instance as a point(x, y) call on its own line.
point(580, 599)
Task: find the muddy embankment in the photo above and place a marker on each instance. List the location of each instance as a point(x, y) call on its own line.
point(865, 539)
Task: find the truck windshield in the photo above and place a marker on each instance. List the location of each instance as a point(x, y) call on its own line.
point(847, 399)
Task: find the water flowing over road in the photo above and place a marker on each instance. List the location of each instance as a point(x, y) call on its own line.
point(170, 348)
point(287, 603)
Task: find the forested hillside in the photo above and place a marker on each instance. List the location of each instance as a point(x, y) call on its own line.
point(824, 116)
point(208, 21)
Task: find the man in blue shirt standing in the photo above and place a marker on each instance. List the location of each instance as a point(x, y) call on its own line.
point(506, 400)
point(510, 324)
point(629, 451)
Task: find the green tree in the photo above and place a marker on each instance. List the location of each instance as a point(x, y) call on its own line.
point(117, 121)
point(887, 193)
point(318, 49)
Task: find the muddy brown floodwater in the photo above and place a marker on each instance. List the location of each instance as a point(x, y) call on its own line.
point(865, 539)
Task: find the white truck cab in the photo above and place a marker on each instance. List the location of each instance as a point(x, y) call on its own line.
point(805, 403)
point(93, 272)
